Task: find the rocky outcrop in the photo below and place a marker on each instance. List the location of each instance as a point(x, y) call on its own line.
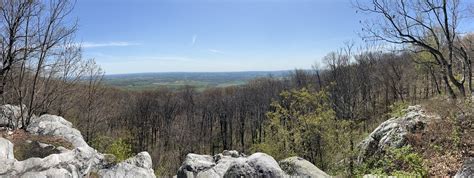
point(138, 166)
point(233, 164)
point(393, 132)
point(51, 125)
point(467, 169)
point(78, 162)
point(75, 163)
point(299, 167)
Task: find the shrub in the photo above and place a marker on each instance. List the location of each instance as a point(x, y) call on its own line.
point(397, 109)
point(120, 148)
point(398, 162)
point(303, 123)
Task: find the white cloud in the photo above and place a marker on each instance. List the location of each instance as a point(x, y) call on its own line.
point(128, 58)
point(107, 44)
point(193, 41)
point(215, 51)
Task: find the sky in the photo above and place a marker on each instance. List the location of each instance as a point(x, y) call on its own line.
point(126, 36)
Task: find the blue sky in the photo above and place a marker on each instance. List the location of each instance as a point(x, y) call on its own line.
point(126, 36)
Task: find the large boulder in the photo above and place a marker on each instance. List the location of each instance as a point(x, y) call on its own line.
point(81, 161)
point(137, 166)
point(240, 168)
point(393, 132)
point(196, 165)
point(52, 125)
point(233, 164)
point(467, 169)
point(299, 167)
point(265, 165)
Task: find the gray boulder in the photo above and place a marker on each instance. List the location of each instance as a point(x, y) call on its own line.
point(467, 169)
point(83, 160)
point(195, 165)
point(51, 125)
point(230, 164)
point(6, 149)
point(240, 169)
point(76, 163)
point(393, 132)
point(299, 167)
point(137, 166)
point(265, 165)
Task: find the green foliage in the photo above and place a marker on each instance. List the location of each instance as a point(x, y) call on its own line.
point(303, 123)
point(121, 149)
point(117, 147)
point(400, 162)
point(397, 109)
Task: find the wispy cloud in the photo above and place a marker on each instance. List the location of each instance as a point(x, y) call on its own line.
point(107, 44)
point(215, 51)
point(193, 40)
point(127, 58)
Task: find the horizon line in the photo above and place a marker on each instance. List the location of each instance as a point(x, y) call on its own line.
point(242, 71)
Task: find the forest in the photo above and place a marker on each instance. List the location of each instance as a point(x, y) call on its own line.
point(319, 114)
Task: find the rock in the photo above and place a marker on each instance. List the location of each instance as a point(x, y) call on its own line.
point(195, 164)
point(230, 164)
point(79, 162)
point(6, 149)
point(223, 165)
point(56, 126)
point(232, 153)
point(296, 166)
point(137, 166)
point(240, 169)
point(467, 169)
point(10, 116)
point(265, 165)
point(393, 132)
point(53, 172)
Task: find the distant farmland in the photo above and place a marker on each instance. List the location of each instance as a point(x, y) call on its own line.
point(177, 80)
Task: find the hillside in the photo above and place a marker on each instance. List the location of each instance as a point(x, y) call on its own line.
point(51, 147)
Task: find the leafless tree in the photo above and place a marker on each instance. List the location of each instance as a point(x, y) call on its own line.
point(431, 25)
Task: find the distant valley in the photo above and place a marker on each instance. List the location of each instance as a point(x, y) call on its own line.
point(177, 80)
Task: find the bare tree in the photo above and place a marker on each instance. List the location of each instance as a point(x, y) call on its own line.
point(14, 34)
point(431, 25)
point(53, 35)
